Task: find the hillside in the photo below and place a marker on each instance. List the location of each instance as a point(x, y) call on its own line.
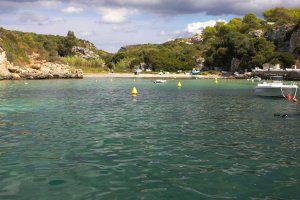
point(242, 44)
point(22, 48)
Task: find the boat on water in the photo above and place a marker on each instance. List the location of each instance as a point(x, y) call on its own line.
point(160, 81)
point(254, 79)
point(276, 88)
point(195, 72)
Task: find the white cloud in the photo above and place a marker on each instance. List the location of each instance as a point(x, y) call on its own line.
point(87, 34)
point(72, 9)
point(115, 15)
point(197, 27)
point(36, 18)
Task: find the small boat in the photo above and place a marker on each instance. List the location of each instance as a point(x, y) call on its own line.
point(195, 72)
point(276, 88)
point(137, 71)
point(160, 81)
point(254, 79)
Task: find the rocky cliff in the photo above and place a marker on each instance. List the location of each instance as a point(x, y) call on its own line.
point(36, 70)
point(286, 38)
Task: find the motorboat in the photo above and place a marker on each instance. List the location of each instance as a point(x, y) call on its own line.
point(160, 81)
point(276, 88)
point(254, 79)
point(195, 71)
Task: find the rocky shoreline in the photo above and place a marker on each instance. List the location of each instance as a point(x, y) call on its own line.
point(36, 70)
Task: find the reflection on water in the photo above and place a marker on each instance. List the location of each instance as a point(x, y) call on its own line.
point(87, 139)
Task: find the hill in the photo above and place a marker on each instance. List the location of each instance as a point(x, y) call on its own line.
point(242, 44)
point(23, 48)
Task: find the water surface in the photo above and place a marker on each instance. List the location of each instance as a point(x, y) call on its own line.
point(90, 139)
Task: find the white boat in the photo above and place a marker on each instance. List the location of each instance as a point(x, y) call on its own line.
point(160, 81)
point(254, 79)
point(195, 71)
point(276, 88)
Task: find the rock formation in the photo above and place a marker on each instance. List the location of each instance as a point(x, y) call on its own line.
point(36, 70)
point(279, 36)
point(84, 53)
point(257, 33)
point(4, 66)
point(294, 43)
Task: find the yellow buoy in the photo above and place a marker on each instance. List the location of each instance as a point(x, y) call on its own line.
point(216, 80)
point(179, 84)
point(134, 91)
point(133, 80)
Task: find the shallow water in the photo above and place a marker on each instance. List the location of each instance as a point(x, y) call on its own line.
point(90, 139)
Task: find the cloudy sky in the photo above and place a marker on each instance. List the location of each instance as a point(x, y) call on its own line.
point(111, 24)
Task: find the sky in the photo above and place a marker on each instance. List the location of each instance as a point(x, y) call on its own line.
point(111, 24)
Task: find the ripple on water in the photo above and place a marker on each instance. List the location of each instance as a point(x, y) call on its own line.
point(81, 140)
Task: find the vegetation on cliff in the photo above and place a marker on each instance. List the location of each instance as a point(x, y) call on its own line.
point(19, 46)
point(238, 45)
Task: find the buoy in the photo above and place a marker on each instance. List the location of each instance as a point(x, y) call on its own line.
point(111, 80)
point(179, 84)
point(216, 80)
point(96, 81)
point(26, 83)
point(134, 91)
point(295, 100)
point(289, 97)
point(133, 80)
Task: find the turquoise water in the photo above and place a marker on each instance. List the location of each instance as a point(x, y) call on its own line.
point(90, 139)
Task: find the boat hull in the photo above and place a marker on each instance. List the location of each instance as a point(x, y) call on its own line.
point(276, 91)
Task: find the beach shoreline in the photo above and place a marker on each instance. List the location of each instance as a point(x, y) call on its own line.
point(163, 76)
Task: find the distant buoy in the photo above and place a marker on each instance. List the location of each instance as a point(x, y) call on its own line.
point(134, 91)
point(289, 97)
point(179, 85)
point(96, 81)
point(133, 80)
point(25, 83)
point(111, 80)
point(295, 100)
point(216, 80)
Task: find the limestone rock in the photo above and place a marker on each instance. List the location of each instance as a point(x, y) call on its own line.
point(4, 65)
point(235, 65)
point(257, 33)
point(294, 45)
point(84, 53)
point(15, 76)
point(279, 36)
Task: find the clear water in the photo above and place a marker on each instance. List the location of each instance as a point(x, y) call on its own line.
point(90, 139)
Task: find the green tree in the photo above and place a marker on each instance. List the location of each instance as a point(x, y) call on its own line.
point(251, 22)
point(65, 46)
point(281, 15)
point(285, 59)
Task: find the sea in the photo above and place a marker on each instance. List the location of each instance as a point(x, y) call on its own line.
point(91, 139)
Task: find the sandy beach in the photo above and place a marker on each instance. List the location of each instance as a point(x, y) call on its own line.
point(158, 76)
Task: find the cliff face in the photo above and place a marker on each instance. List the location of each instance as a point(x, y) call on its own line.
point(294, 43)
point(4, 65)
point(286, 38)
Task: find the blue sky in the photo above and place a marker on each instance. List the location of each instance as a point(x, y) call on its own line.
point(111, 24)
